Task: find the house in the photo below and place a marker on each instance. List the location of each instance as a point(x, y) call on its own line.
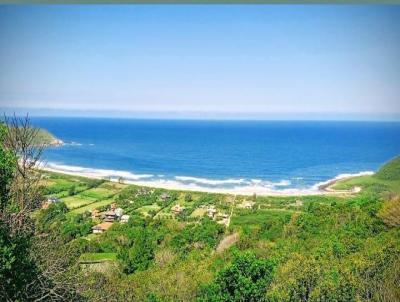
point(49, 201)
point(101, 228)
point(223, 221)
point(247, 204)
point(53, 199)
point(142, 191)
point(124, 218)
point(222, 215)
point(222, 218)
point(298, 203)
point(177, 209)
point(211, 211)
point(95, 214)
point(110, 216)
point(164, 196)
point(119, 212)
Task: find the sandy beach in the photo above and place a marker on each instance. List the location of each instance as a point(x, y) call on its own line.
point(323, 188)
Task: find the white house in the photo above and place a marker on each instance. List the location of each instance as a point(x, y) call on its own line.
point(124, 218)
point(119, 212)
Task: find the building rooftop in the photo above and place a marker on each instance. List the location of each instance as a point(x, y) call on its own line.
point(102, 226)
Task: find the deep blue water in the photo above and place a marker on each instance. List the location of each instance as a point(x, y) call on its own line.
point(274, 155)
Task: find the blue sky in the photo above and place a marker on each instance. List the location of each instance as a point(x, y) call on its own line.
point(238, 60)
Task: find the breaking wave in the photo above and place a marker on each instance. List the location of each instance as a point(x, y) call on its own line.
point(231, 185)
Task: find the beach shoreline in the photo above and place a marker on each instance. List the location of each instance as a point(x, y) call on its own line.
point(322, 188)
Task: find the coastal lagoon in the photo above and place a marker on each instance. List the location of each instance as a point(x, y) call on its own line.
point(266, 157)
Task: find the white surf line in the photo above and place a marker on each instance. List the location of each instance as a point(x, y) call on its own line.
point(139, 179)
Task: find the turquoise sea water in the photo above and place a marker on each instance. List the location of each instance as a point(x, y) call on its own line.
point(242, 155)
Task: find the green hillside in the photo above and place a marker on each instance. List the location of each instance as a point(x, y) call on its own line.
point(387, 179)
point(286, 248)
point(44, 137)
point(390, 170)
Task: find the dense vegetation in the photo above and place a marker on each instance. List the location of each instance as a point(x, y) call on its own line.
point(304, 248)
point(309, 248)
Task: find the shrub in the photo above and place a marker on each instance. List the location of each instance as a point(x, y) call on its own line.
point(246, 279)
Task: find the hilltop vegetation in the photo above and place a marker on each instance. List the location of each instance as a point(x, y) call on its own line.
point(311, 248)
point(390, 170)
point(44, 137)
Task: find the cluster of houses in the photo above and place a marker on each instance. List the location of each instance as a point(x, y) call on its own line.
point(212, 212)
point(247, 204)
point(177, 209)
point(143, 191)
point(164, 196)
point(108, 218)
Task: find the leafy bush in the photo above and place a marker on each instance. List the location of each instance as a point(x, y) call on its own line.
point(246, 279)
point(139, 253)
point(55, 213)
point(205, 234)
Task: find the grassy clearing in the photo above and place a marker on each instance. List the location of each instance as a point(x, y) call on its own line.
point(114, 186)
point(92, 206)
point(199, 212)
point(97, 194)
point(73, 202)
point(164, 215)
point(146, 209)
point(98, 257)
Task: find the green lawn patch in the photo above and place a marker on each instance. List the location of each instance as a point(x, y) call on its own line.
point(199, 212)
point(97, 193)
point(146, 209)
point(98, 257)
point(92, 206)
point(73, 202)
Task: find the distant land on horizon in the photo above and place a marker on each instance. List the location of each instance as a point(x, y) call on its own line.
point(201, 115)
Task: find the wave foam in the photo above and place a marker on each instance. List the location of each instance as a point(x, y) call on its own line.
point(232, 186)
point(96, 173)
point(340, 177)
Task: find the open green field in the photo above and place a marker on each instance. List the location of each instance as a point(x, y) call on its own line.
point(198, 212)
point(146, 209)
point(97, 257)
point(78, 193)
point(98, 193)
point(92, 206)
point(74, 202)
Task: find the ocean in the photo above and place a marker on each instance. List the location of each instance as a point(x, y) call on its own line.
point(236, 156)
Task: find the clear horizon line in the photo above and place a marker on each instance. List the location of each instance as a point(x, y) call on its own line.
point(201, 115)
